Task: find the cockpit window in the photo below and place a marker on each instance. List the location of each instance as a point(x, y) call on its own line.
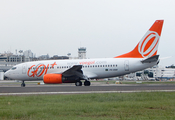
point(13, 68)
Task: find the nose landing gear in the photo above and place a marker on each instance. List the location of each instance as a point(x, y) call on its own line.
point(23, 84)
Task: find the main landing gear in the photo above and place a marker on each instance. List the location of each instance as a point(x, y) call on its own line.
point(78, 83)
point(86, 83)
point(23, 84)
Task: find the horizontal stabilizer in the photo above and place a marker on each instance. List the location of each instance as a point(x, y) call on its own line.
point(151, 59)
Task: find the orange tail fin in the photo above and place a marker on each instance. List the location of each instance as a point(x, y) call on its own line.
point(148, 45)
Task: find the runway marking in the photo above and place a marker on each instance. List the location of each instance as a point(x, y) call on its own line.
point(82, 92)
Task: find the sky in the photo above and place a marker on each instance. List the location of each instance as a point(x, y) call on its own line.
point(107, 28)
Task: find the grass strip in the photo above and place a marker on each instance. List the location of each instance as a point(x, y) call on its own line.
point(108, 106)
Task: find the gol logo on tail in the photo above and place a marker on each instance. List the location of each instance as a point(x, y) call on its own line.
point(149, 44)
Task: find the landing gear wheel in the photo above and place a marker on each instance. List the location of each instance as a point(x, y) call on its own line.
point(23, 84)
point(78, 83)
point(87, 83)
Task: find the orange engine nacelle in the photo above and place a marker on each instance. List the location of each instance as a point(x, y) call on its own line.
point(52, 78)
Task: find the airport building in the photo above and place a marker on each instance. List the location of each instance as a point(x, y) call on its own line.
point(43, 57)
point(8, 59)
point(28, 55)
point(16, 58)
point(155, 73)
point(164, 73)
point(82, 53)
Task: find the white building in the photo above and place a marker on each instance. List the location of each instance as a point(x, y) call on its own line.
point(159, 73)
point(28, 55)
point(164, 73)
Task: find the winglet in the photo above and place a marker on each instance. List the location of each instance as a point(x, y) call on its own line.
point(148, 45)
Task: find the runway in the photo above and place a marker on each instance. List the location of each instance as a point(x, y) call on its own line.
point(13, 88)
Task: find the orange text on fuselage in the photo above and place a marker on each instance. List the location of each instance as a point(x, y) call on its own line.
point(39, 70)
point(87, 63)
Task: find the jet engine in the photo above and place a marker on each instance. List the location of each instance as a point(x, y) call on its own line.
point(52, 78)
point(59, 78)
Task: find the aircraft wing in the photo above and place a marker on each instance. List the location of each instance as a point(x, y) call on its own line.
point(151, 59)
point(75, 71)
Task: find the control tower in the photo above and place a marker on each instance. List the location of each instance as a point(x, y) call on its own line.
point(82, 53)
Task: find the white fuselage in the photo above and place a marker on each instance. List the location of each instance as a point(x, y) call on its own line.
point(92, 68)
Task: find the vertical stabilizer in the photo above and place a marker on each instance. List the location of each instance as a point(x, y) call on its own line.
point(148, 45)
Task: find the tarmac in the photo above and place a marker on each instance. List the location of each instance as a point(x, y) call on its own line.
point(9, 87)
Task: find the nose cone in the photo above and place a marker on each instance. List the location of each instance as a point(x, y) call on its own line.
point(7, 74)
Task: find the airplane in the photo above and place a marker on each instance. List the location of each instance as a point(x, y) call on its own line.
point(143, 56)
